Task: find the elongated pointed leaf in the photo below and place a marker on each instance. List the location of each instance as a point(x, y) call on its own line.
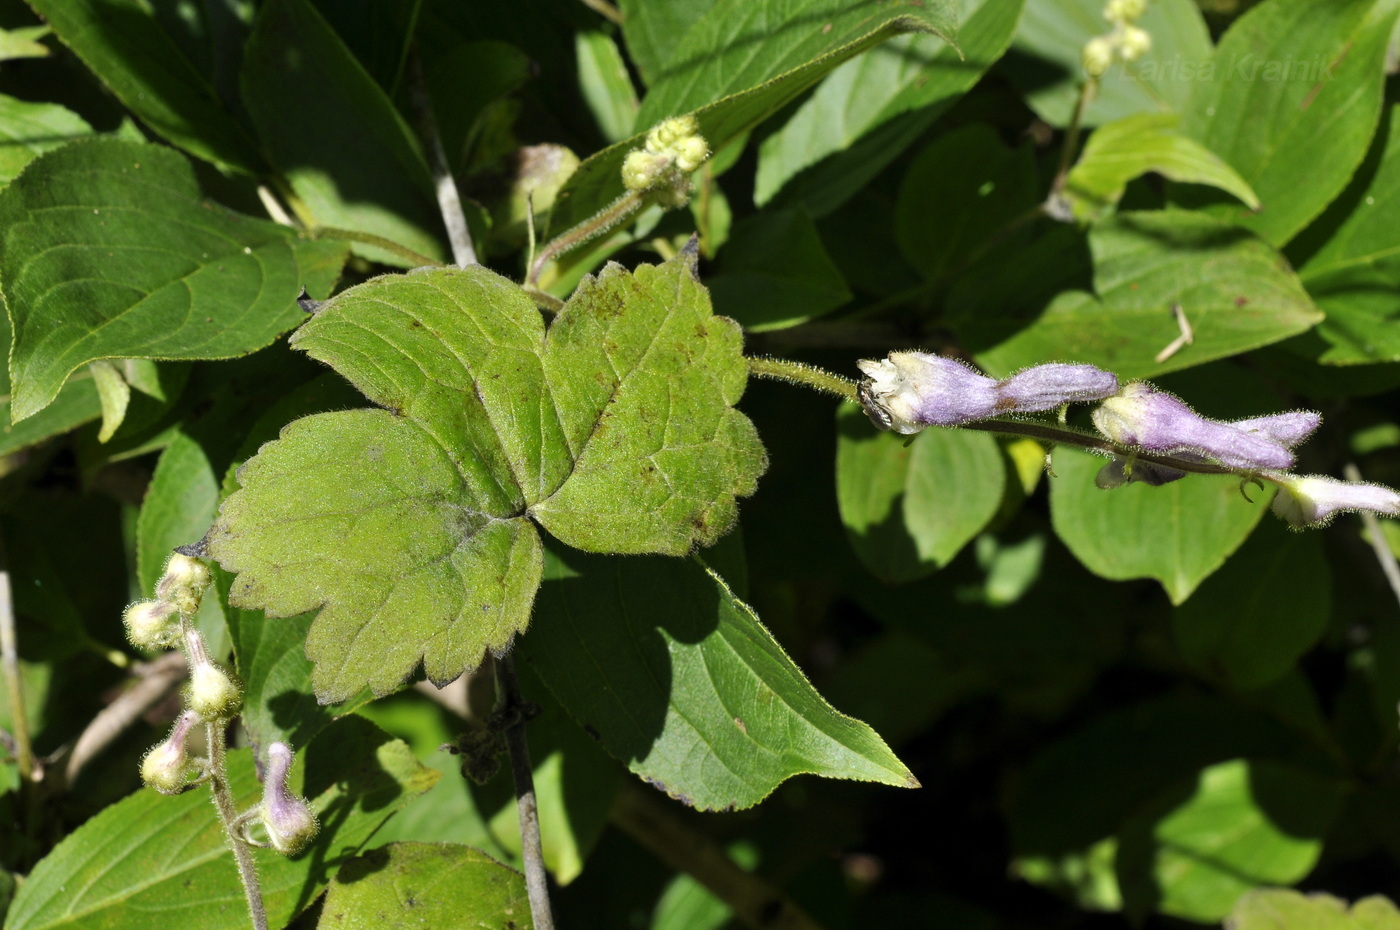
point(1291, 103)
point(738, 65)
point(679, 679)
point(1236, 291)
point(1177, 534)
point(151, 860)
point(427, 885)
point(109, 251)
point(131, 53)
point(413, 526)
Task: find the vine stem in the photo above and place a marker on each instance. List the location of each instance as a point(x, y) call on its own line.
point(512, 706)
point(418, 259)
point(1071, 147)
point(228, 816)
point(449, 200)
point(804, 375)
point(610, 216)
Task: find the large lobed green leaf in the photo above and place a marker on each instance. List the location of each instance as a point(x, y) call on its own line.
point(151, 860)
point(108, 250)
point(412, 526)
point(1236, 291)
point(739, 64)
point(677, 678)
point(1291, 103)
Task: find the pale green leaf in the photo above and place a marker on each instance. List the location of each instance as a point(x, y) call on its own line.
point(113, 393)
point(678, 679)
point(335, 135)
point(426, 885)
point(1130, 147)
point(110, 251)
point(1045, 60)
point(1286, 909)
point(1177, 534)
point(909, 508)
point(23, 42)
point(411, 526)
point(1291, 104)
point(1236, 292)
point(738, 65)
point(605, 84)
point(126, 47)
point(151, 860)
point(27, 130)
point(1240, 825)
point(1251, 621)
point(917, 77)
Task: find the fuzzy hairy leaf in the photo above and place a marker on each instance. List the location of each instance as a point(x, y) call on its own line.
point(413, 527)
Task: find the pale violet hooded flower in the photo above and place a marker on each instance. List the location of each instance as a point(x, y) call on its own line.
point(1313, 500)
point(1145, 418)
point(909, 391)
point(289, 820)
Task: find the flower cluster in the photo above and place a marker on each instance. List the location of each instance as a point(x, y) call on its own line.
point(674, 148)
point(1126, 42)
point(908, 391)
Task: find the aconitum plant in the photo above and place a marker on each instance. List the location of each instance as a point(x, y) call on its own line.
point(695, 463)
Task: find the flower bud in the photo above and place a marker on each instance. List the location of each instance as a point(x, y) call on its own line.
point(1134, 43)
point(183, 583)
point(212, 693)
point(1097, 56)
point(1154, 421)
point(1287, 429)
point(289, 820)
point(911, 390)
point(152, 625)
point(167, 768)
point(691, 153)
point(642, 170)
point(668, 132)
point(1313, 500)
point(1123, 11)
point(1046, 387)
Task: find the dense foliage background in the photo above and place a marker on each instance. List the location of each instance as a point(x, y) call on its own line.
point(1130, 707)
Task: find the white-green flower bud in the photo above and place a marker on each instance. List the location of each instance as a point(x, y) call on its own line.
point(691, 153)
point(184, 582)
point(642, 170)
point(212, 693)
point(1098, 56)
point(167, 767)
point(152, 625)
point(665, 134)
point(289, 820)
point(1134, 43)
point(1124, 11)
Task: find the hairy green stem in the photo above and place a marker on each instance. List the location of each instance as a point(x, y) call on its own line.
point(614, 214)
point(804, 375)
point(418, 259)
point(228, 816)
point(512, 707)
point(1071, 146)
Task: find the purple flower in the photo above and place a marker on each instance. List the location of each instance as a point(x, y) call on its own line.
point(1154, 421)
point(911, 390)
point(289, 820)
point(1287, 429)
point(1048, 387)
point(1313, 500)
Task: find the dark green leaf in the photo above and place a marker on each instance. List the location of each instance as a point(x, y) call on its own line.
point(1236, 291)
point(1045, 60)
point(740, 64)
point(1291, 105)
point(1252, 620)
point(774, 273)
point(409, 525)
point(129, 51)
point(155, 860)
point(653, 29)
point(1237, 826)
point(679, 680)
point(335, 135)
point(111, 252)
point(1177, 534)
point(959, 192)
point(1130, 147)
point(27, 130)
point(377, 33)
point(918, 75)
point(910, 507)
point(426, 885)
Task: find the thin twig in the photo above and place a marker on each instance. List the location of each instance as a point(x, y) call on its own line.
point(605, 9)
point(1384, 556)
point(158, 679)
point(448, 197)
point(1071, 146)
point(536, 881)
point(799, 373)
point(9, 662)
point(755, 902)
